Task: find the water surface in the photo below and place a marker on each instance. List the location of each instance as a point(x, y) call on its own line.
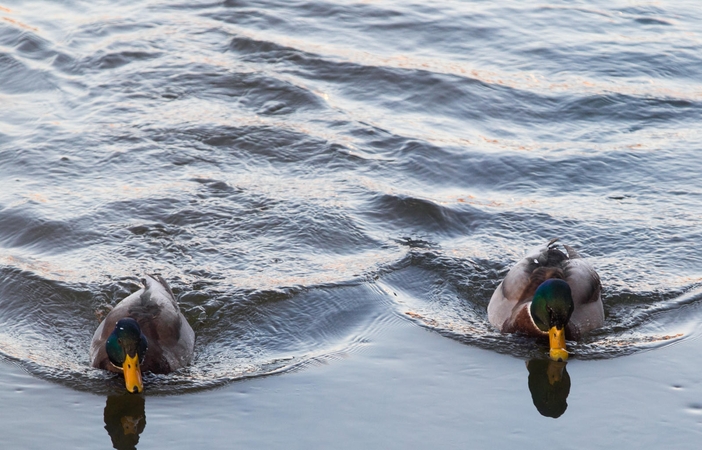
point(309, 174)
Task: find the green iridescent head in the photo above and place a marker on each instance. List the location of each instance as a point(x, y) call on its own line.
point(552, 304)
point(126, 348)
point(551, 309)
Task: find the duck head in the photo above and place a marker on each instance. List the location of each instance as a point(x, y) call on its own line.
point(551, 309)
point(126, 348)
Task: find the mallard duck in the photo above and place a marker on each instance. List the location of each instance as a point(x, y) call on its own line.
point(145, 332)
point(549, 293)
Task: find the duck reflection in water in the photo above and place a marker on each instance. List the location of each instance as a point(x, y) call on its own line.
point(549, 384)
point(125, 419)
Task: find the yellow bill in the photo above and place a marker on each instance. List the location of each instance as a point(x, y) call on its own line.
point(557, 342)
point(132, 374)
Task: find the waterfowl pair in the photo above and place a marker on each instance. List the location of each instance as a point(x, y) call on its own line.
point(549, 293)
point(145, 332)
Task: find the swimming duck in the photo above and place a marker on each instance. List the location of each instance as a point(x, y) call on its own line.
point(549, 293)
point(145, 332)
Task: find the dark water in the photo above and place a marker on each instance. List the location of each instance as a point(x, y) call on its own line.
point(306, 173)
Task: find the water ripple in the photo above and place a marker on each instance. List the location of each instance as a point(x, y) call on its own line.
point(305, 172)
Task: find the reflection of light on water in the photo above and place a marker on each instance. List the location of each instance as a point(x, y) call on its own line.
point(19, 24)
point(340, 268)
point(569, 83)
point(612, 346)
point(454, 326)
point(624, 342)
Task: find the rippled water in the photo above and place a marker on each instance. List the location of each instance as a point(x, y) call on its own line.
point(303, 173)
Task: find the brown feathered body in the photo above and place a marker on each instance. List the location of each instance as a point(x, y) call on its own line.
point(509, 308)
point(170, 338)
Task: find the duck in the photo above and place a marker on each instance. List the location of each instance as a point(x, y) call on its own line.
point(550, 294)
point(145, 332)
